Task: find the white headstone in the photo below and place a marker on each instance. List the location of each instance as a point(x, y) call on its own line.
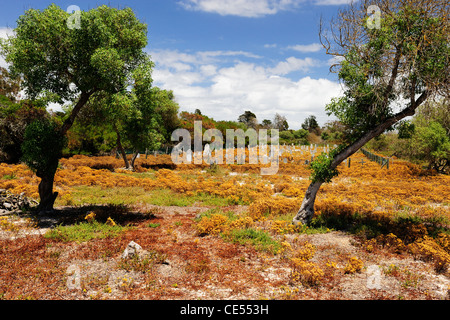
point(189, 156)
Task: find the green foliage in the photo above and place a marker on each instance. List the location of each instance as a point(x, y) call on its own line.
point(423, 139)
point(14, 118)
point(249, 119)
point(333, 131)
point(84, 231)
point(321, 170)
point(310, 124)
point(294, 136)
point(414, 35)
point(433, 143)
point(42, 146)
point(131, 195)
point(286, 135)
point(259, 239)
point(98, 56)
point(405, 129)
point(300, 134)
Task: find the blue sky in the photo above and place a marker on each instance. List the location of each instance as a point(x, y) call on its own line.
point(227, 56)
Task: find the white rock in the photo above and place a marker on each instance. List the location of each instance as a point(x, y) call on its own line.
point(131, 250)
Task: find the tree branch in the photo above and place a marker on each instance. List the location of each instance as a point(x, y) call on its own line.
point(84, 98)
point(355, 146)
point(393, 77)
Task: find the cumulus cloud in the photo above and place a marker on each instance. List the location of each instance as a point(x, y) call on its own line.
point(226, 90)
point(294, 64)
point(4, 34)
point(242, 8)
point(306, 48)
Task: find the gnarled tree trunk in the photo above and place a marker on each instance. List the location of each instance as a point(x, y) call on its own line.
point(46, 194)
point(306, 211)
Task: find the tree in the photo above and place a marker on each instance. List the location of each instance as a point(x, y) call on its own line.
point(249, 119)
point(166, 111)
point(310, 124)
point(406, 57)
point(267, 124)
point(280, 122)
point(72, 64)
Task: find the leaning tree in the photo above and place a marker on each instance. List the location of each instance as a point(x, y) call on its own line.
point(393, 56)
point(70, 61)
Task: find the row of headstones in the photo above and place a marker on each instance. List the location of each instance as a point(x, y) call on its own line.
point(207, 156)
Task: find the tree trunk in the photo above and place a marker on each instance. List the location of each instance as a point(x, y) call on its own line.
point(121, 149)
point(306, 212)
point(46, 194)
point(133, 159)
point(84, 98)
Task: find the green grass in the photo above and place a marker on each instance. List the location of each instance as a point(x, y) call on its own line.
point(259, 239)
point(82, 195)
point(11, 176)
point(154, 225)
point(85, 231)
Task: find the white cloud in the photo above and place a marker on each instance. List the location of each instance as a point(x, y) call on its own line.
point(333, 2)
point(182, 61)
point(313, 47)
point(242, 8)
point(4, 34)
point(294, 64)
point(224, 91)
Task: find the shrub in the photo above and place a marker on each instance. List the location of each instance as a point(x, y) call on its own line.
point(213, 225)
point(430, 250)
point(305, 253)
point(353, 265)
point(308, 273)
point(284, 227)
point(263, 207)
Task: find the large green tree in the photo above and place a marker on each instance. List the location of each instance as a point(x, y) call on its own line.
point(72, 64)
point(388, 68)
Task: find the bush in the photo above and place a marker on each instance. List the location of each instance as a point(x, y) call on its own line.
point(213, 225)
point(353, 265)
point(42, 146)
